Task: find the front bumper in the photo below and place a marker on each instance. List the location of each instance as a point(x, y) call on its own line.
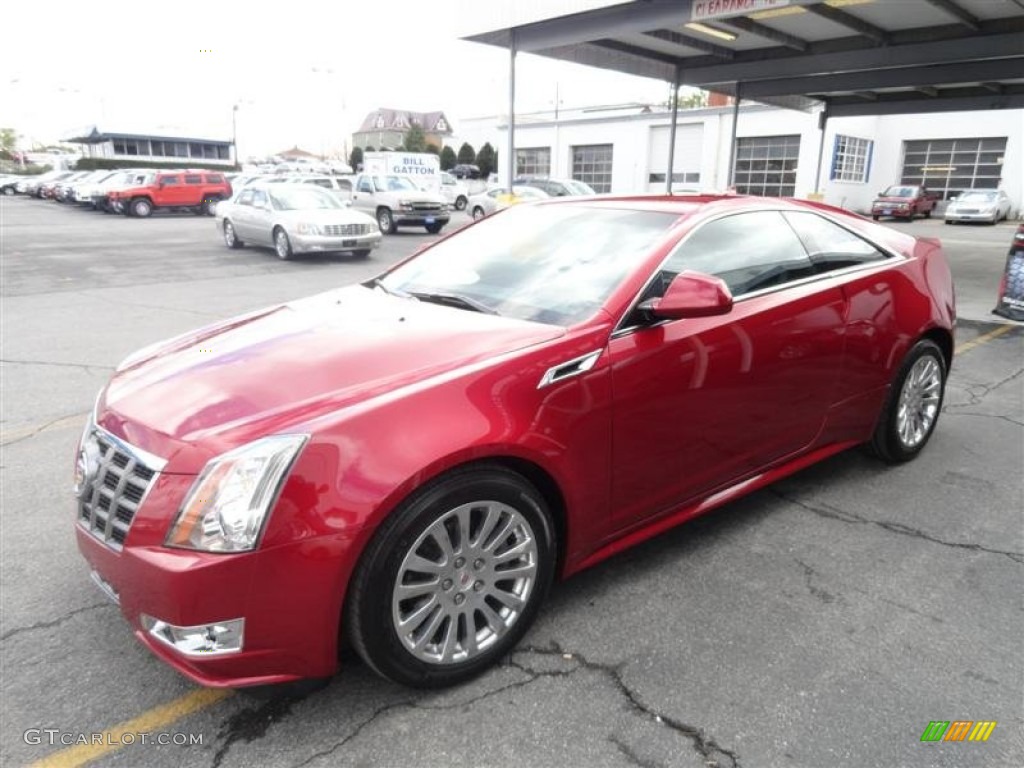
point(333, 243)
point(893, 211)
point(421, 218)
point(289, 597)
point(979, 216)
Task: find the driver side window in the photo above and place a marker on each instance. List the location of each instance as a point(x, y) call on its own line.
point(365, 186)
point(749, 251)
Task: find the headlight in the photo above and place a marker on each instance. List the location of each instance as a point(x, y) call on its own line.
point(225, 509)
point(308, 229)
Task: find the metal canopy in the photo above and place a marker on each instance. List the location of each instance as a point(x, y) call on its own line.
point(856, 57)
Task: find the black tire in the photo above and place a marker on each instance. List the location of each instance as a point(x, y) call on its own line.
point(386, 221)
point(887, 442)
point(140, 207)
point(434, 228)
point(362, 254)
point(478, 213)
point(928, 214)
point(10, 191)
point(874, 217)
point(461, 202)
point(209, 206)
point(368, 617)
point(282, 245)
point(231, 239)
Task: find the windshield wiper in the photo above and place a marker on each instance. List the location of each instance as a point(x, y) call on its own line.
point(378, 283)
point(455, 300)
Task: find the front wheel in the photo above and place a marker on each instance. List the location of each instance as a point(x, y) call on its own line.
point(231, 236)
point(928, 214)
point(209, 207)
point(282, 244)
point(912, 407)
point(363, 253)
point(453, 579)
point(478, 213)
point(460, 203)
point(386, 221)
point(434, 228)
point(873, 216)
point(141, 207)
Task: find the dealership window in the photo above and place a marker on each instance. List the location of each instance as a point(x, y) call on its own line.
point(677, 178)
point(951, 166)
point(766, 165)
point(533, 161)
point(851, 159)
point(592, 164)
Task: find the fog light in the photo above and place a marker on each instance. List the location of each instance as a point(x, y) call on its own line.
point(203, 640)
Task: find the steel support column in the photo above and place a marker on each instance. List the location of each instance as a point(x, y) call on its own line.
point(672, 132)
point(510, 153)
point(732, 138)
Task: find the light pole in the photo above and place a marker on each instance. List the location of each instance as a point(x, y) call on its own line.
point(234, 134)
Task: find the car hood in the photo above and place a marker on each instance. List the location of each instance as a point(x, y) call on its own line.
point(326, 216)
point(891, 199)
point(972, 204)
point(272, 370)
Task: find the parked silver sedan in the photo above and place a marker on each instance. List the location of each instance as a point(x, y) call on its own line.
point(498, 198)
point(987, 205)
point(295, 218)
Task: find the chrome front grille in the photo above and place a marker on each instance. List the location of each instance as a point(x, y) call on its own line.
point(114, 478)
point(346, 230)
point(426, 206)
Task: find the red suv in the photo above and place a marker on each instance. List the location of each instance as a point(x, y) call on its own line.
point(197, 190)
point(904, 201)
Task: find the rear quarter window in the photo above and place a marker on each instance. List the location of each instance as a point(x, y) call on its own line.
point(215, 178)
point(193, 179)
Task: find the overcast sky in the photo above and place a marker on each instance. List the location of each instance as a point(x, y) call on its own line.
point(301, 72)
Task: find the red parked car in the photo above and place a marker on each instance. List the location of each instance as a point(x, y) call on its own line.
point(903, 201)
point(409, 462)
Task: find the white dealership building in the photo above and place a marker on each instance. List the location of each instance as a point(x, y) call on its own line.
point(624, 150)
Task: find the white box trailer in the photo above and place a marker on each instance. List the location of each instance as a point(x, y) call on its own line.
point(422, 168)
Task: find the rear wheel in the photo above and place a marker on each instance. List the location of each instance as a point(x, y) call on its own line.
point(231, 236)
point(210, 206)
point(928, 213)
point(912, 407)
point(282, 245)
point(453, 578)
point(460, 203)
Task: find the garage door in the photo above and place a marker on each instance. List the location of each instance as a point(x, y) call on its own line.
point(689, 146)
point(951, 166)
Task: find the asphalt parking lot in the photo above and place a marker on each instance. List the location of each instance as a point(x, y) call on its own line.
point(822, 622)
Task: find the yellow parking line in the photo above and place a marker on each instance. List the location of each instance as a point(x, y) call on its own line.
point(152, 720)
point(984, 338)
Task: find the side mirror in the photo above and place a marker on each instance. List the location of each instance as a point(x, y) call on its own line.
point(691, 294)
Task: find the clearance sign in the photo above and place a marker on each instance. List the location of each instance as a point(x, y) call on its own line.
point(706, 10)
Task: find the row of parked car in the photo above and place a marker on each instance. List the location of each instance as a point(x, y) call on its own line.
point(132, 191)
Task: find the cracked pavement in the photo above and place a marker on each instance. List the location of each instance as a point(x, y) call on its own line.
point(823, 621)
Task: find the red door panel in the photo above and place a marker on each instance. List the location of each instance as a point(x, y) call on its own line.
point(701, 402)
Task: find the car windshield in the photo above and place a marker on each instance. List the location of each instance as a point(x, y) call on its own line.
point(977, 197)
point(530, 193)
point(579, 188)
point(548, 264)
point(394, 184)
point(899, 192)
point(302, 198)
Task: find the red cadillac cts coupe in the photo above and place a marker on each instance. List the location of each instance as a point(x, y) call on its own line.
point(408, 463)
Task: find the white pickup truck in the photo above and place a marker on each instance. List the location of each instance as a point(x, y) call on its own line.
point(395, 201)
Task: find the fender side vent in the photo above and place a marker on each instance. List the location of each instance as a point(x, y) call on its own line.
point(568, 369)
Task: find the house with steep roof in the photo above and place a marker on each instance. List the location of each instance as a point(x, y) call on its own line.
point(386, 128)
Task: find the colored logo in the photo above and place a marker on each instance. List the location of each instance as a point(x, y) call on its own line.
point(958, 730)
